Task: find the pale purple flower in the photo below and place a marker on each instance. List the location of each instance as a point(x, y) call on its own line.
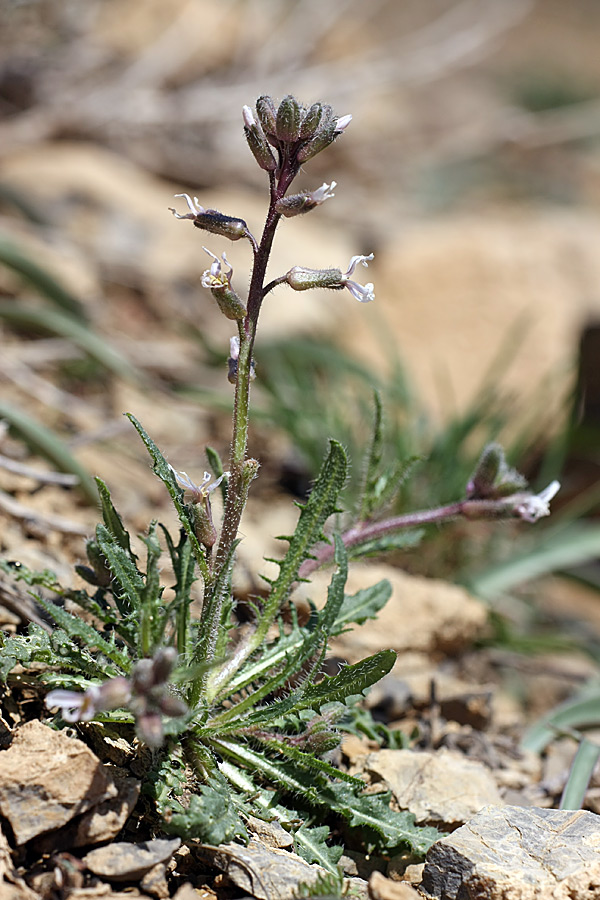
point(198, 492)
point(364, 294)
point(534, 507)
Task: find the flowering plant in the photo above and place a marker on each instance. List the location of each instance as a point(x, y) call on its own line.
point(242, 724)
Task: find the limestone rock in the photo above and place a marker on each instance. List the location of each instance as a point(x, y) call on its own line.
point(382, 888)
point(441, 788)
point(514, 853)
point(262, 872)
point(102, 823)
point(123, 861)
point(47, 778)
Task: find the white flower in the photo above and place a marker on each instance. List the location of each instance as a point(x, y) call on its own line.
point(364, 294)
point(343, 122)
point(75, 706)
point(198, 492)
point(248, 117)
point(212, 277)
point(534, 507)
point(325, 192)
point(195, 209)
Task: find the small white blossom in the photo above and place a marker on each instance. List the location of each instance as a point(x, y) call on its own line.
point(325, 192)
point(213, 277)
point(193, 205)
point(343, 122)
point(198, 492)
point(75, 706)
point(248, 117)
point(364, 294)
point(532, 508)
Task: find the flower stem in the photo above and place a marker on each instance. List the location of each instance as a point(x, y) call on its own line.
point(368, 531)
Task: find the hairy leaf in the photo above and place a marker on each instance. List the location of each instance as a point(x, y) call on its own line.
point(167, 476)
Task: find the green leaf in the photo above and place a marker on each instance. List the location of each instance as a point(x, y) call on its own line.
point(210, 817)
point(351, 680)
point(580, 775)
point(283, 774)
point(111, 518)
point(123, 570)
point(559, 549)
point(45, 283)
point(582, 711)
point(66, 326)
point(372, 812)
point(308, 761)
point(369, 500)
point(167, 476)
point(310, 844)
point(43, 441)
point(91, 638)
point(363, 605)
point(309, 529)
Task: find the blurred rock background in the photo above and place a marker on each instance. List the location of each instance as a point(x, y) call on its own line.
point(471, 169)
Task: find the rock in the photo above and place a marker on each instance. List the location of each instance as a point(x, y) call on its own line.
point(382, 888)
point(456, 289)
point(271, 834)
point(102, 823)
point(154, 882)
point(123, 861)
point(517, 854)
point(11, 886)
point(441, 788)
point(47, 778)
point(263, 873)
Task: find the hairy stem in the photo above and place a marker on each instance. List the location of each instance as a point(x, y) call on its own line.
point(367, 531)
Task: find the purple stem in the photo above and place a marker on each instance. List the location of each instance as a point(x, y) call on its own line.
point(366, 531)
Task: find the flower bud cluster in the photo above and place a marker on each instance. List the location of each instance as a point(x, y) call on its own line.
point(296, 133)
point(493, 477)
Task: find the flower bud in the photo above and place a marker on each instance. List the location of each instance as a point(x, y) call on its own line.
point(203, 524)
point(267, 115)
point(232, 362)
point(163, 662)
point(258, 143)
point(297, 204)
point(493, 477)
point(212, 220)
point(288, 119)
point(301, 279)
point(311, 121)
point(99, 574)
point(322, 139)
